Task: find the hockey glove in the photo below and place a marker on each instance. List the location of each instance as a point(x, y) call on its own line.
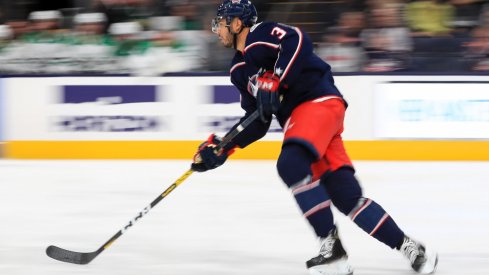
point(208, 158)
point(267, 97)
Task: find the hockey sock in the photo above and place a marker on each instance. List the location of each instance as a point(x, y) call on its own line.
point(315, 204)
point(346, 195)
point(293, 167)
point(373, 219)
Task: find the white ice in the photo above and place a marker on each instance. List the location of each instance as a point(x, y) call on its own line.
point(238, 219)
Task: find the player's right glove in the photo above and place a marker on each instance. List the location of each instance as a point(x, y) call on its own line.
point(267, 96)
point(208, 158)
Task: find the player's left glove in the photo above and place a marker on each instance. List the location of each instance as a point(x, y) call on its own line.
point(267, 96)
point(208, 158)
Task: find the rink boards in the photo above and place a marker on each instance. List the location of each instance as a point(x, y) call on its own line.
point(2, 109)
point(389, 117)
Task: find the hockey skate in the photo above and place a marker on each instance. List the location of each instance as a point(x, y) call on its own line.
point(332, 258)
point(422, 260)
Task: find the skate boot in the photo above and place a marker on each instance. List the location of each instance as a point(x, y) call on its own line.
point(332, 258)
point(422, 260)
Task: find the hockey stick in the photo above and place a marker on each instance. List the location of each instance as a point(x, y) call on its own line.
point(73, 257)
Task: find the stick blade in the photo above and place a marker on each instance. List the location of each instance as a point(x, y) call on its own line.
point(68, 256)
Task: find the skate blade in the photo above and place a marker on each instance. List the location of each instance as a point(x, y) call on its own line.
point(339, 267)
point(431, 262)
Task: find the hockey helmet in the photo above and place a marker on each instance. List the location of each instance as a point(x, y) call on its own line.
point(229, 9)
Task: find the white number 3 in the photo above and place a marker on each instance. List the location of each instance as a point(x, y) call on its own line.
point(280, 33)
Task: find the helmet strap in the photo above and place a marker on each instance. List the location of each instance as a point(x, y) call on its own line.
point(235, 36)
point(235, 41)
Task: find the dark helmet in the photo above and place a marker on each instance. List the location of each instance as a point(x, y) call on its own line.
point(229, 9)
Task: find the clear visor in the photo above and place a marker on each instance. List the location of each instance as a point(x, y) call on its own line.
point(215, 25)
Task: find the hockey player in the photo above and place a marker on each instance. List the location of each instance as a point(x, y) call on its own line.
point(278, 74)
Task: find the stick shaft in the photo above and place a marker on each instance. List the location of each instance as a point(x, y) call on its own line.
point(145, 211)
point(172, 187)
point(85, 258)
point(237, 130)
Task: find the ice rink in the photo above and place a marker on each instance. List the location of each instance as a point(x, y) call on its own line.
point(239, 219)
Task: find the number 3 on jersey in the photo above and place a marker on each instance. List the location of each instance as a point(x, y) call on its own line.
point(280, 33)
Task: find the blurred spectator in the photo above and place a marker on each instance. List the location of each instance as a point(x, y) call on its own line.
point(44, 27)
point(5, 37)
point(130, 48)
point(466, 14)
point(372, 5)
point(19, 28)
point(387, 21)
point(164, 28)
point(352, 24)
point(138, 54)
point(188, 10)
point(478, 49)
point(387, 42)
point(41, 49)
point(90, 23)
point(429, 17)
point(484, 16)
point(125, 36)
point(91, 48)
point(124, 10)
point(5, 42)
point(341, 46)
point(174, 35)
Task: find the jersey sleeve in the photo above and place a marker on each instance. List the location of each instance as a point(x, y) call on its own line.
point(257, 129)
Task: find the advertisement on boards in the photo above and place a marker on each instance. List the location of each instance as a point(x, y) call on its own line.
point(432, 110)
point(82, 108)
point(113, 108)
point(106, 108)
point(224, 107)
point(226, 101)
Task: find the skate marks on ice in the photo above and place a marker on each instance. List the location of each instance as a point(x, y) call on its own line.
point(238, 219)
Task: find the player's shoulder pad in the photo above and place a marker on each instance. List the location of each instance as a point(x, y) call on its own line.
point(258, 27)
point(261, 32)
point(267, 26)
point(270, 32)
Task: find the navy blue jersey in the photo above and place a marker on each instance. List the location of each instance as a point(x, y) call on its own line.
point(288, 52)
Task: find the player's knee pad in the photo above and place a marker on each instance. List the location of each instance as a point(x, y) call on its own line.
point(294, 165)
point(343, 188)
point(368, 215)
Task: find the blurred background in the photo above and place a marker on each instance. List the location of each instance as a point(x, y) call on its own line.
point(153, 37)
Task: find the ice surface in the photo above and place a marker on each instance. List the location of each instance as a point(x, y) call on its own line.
point(239, 219)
